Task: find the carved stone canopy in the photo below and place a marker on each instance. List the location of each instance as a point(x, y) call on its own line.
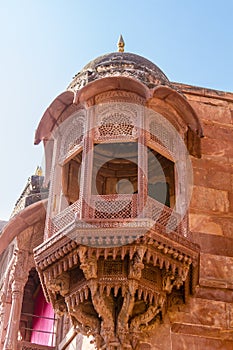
point(118, 294)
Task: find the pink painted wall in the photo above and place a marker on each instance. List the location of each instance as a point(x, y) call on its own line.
point(45, 311)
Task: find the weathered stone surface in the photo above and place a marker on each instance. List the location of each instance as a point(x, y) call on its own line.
point(202, 331)
point(216, 148)
point(212, 224)
point(205, 224)
point(209, 97)
point(208, 111)
point(211, 163)
point(227, 224)
point(216, 294)
point(218, 131)
point(211, 177)
point(230, 312)
point(187, 342)
point(161, 337)
point(202, 312)
point(208, 199)
point(216, 270)
point(230, 197)
point(215, 245)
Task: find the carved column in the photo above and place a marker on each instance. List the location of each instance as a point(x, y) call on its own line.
point(52, 200)
point(87, 163)
point(142, 163)
point(18, 284)
point(4, 301)
point(13, 325)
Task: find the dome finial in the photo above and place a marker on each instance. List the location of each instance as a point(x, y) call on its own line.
point(39, 171)
point(121, 44)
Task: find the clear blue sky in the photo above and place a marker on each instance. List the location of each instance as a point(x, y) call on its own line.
point(44, 43)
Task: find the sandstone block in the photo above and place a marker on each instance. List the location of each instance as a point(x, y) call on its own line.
point(208, 199)
point(216, 270)
point(221, 114)
point(215, 130)
point(189, 342)
point(204, 224)
point(202, 312)
point(216, 148)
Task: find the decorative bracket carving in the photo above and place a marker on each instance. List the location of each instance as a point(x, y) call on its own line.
point(118, 295)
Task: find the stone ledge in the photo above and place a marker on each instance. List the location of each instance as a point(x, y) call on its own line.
point(216, 271)
point(214, 283)
point(202, 331)
point(204, 92)
point(209, 200)
point(213, 244)
point(215, 294)
point(195, 342)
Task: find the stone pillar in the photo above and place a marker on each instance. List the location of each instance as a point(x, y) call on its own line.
point(14, 319)
point(142, 164)
point(5, 302)
point(87, 165)
point(19, 277)
point(52, 200)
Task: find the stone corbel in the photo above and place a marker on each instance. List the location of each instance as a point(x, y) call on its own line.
point(147, 319)
point(60, 307)
point(104, 306)
point(88, 265)
point(60, 284)
point(168, 282)
point(87, 323)
point(171, 280)
point(137, 265)
point(89, 268)
point(126, 313)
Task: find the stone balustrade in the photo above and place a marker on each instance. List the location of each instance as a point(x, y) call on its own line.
point(120, 207)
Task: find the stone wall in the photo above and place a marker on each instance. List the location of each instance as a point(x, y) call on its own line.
point(206, 321)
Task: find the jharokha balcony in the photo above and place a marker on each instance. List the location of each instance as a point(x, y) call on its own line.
point(117, 251)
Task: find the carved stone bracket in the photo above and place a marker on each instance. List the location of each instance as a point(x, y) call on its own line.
point(88, 265)
point(118, 294)
point(142, 321)
point(60, 284)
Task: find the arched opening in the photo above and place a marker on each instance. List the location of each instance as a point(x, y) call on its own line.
point(71, 178)
point(115, 169)
point(37, 321)
point(161, 180)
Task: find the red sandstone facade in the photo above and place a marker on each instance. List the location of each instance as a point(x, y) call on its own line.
point(116, 261)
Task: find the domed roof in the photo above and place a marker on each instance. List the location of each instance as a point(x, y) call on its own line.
point(120, 64)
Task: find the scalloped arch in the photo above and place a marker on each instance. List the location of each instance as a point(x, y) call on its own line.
point(171, 99)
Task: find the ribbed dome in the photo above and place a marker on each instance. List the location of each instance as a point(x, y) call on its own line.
point(120, 64)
